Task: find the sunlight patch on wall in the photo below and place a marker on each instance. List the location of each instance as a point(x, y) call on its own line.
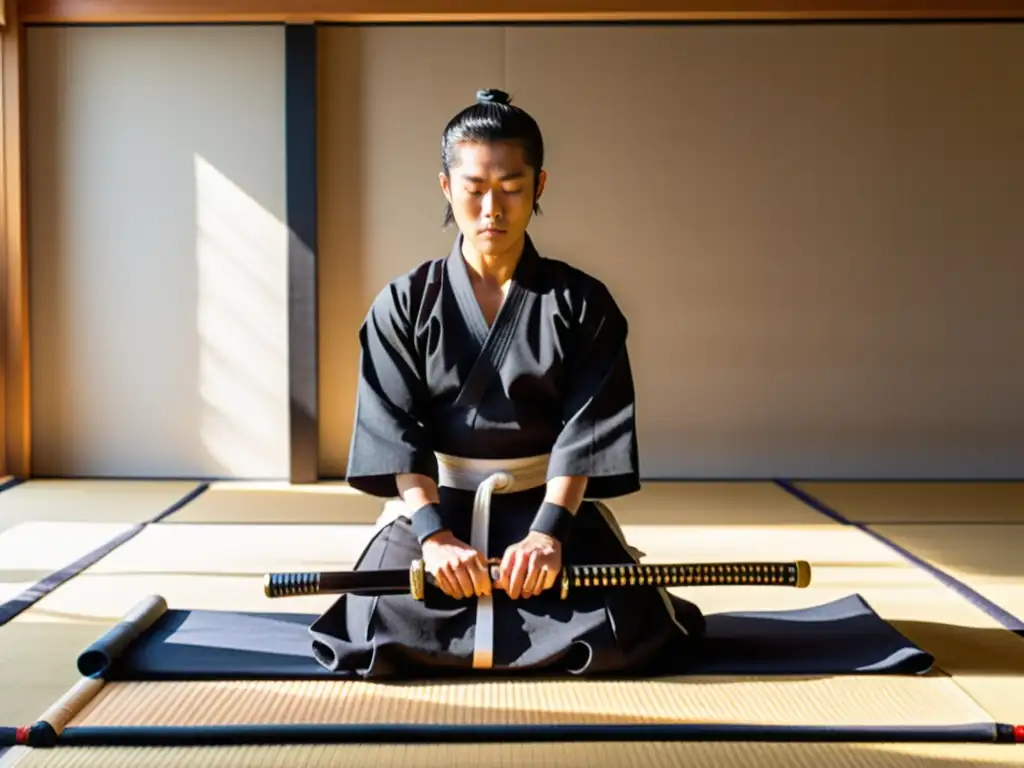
point(242, 320)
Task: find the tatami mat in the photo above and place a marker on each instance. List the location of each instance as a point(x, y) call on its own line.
point(878, 700)
point(192, 566)
point(987, 558)
point(985, 659)
point(211, 566)
point(221, 566)
point(555, 755)
point(32, 551)
point(724, 504)
point(271, 503)
point(89, 501)
point(972, 531)
point(923, 502)
point(657, 503)
point(933, 522)
point(46, 525)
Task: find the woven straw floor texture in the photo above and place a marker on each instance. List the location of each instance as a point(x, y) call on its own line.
point(212, 554)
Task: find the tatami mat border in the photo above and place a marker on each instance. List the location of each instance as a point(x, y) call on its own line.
point(993, 610)
point(21, 602)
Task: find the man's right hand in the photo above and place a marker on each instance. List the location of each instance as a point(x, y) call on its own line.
point(459, 570)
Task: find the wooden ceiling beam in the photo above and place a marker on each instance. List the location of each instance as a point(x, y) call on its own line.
point(299, 11)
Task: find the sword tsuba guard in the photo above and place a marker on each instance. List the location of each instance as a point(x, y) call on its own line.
point(417, 579)
point(803, 574)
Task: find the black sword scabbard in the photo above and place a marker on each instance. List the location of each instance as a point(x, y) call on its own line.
point(415, 580)
point(369, 583)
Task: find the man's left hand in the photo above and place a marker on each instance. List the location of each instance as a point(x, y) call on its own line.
point(530, 567)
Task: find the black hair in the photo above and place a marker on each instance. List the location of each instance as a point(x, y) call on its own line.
point(493, 118)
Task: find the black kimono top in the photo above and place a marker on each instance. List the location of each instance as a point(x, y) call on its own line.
point(551, 375)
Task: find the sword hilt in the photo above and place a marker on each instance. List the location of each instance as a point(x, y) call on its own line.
point(795, 574)
point(619, 576)
point(291, 584)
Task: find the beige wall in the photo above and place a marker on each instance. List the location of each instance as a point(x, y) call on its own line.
point(159, 293)
point(810, 229)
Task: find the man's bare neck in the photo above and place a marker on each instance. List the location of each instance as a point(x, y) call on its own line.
point(493, 269)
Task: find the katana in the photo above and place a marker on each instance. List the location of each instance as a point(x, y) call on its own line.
point(415, 580)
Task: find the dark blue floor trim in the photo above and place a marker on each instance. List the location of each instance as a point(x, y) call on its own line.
point(188, 498)
point(41, 735)
point(10, 483)
point(40, 589)
point(982, 603)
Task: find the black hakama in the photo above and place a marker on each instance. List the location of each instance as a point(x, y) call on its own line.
point(550, 377)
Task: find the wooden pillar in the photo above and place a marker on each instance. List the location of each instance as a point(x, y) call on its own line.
point(15, 389)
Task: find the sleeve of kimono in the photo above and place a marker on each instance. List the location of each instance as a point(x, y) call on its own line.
point(388, 435)
point(599, 438)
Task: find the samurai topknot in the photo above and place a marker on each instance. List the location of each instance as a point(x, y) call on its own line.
point(493, 118)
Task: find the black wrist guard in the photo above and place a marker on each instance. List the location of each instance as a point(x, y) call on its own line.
point(553, 520)
point(426, 521)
